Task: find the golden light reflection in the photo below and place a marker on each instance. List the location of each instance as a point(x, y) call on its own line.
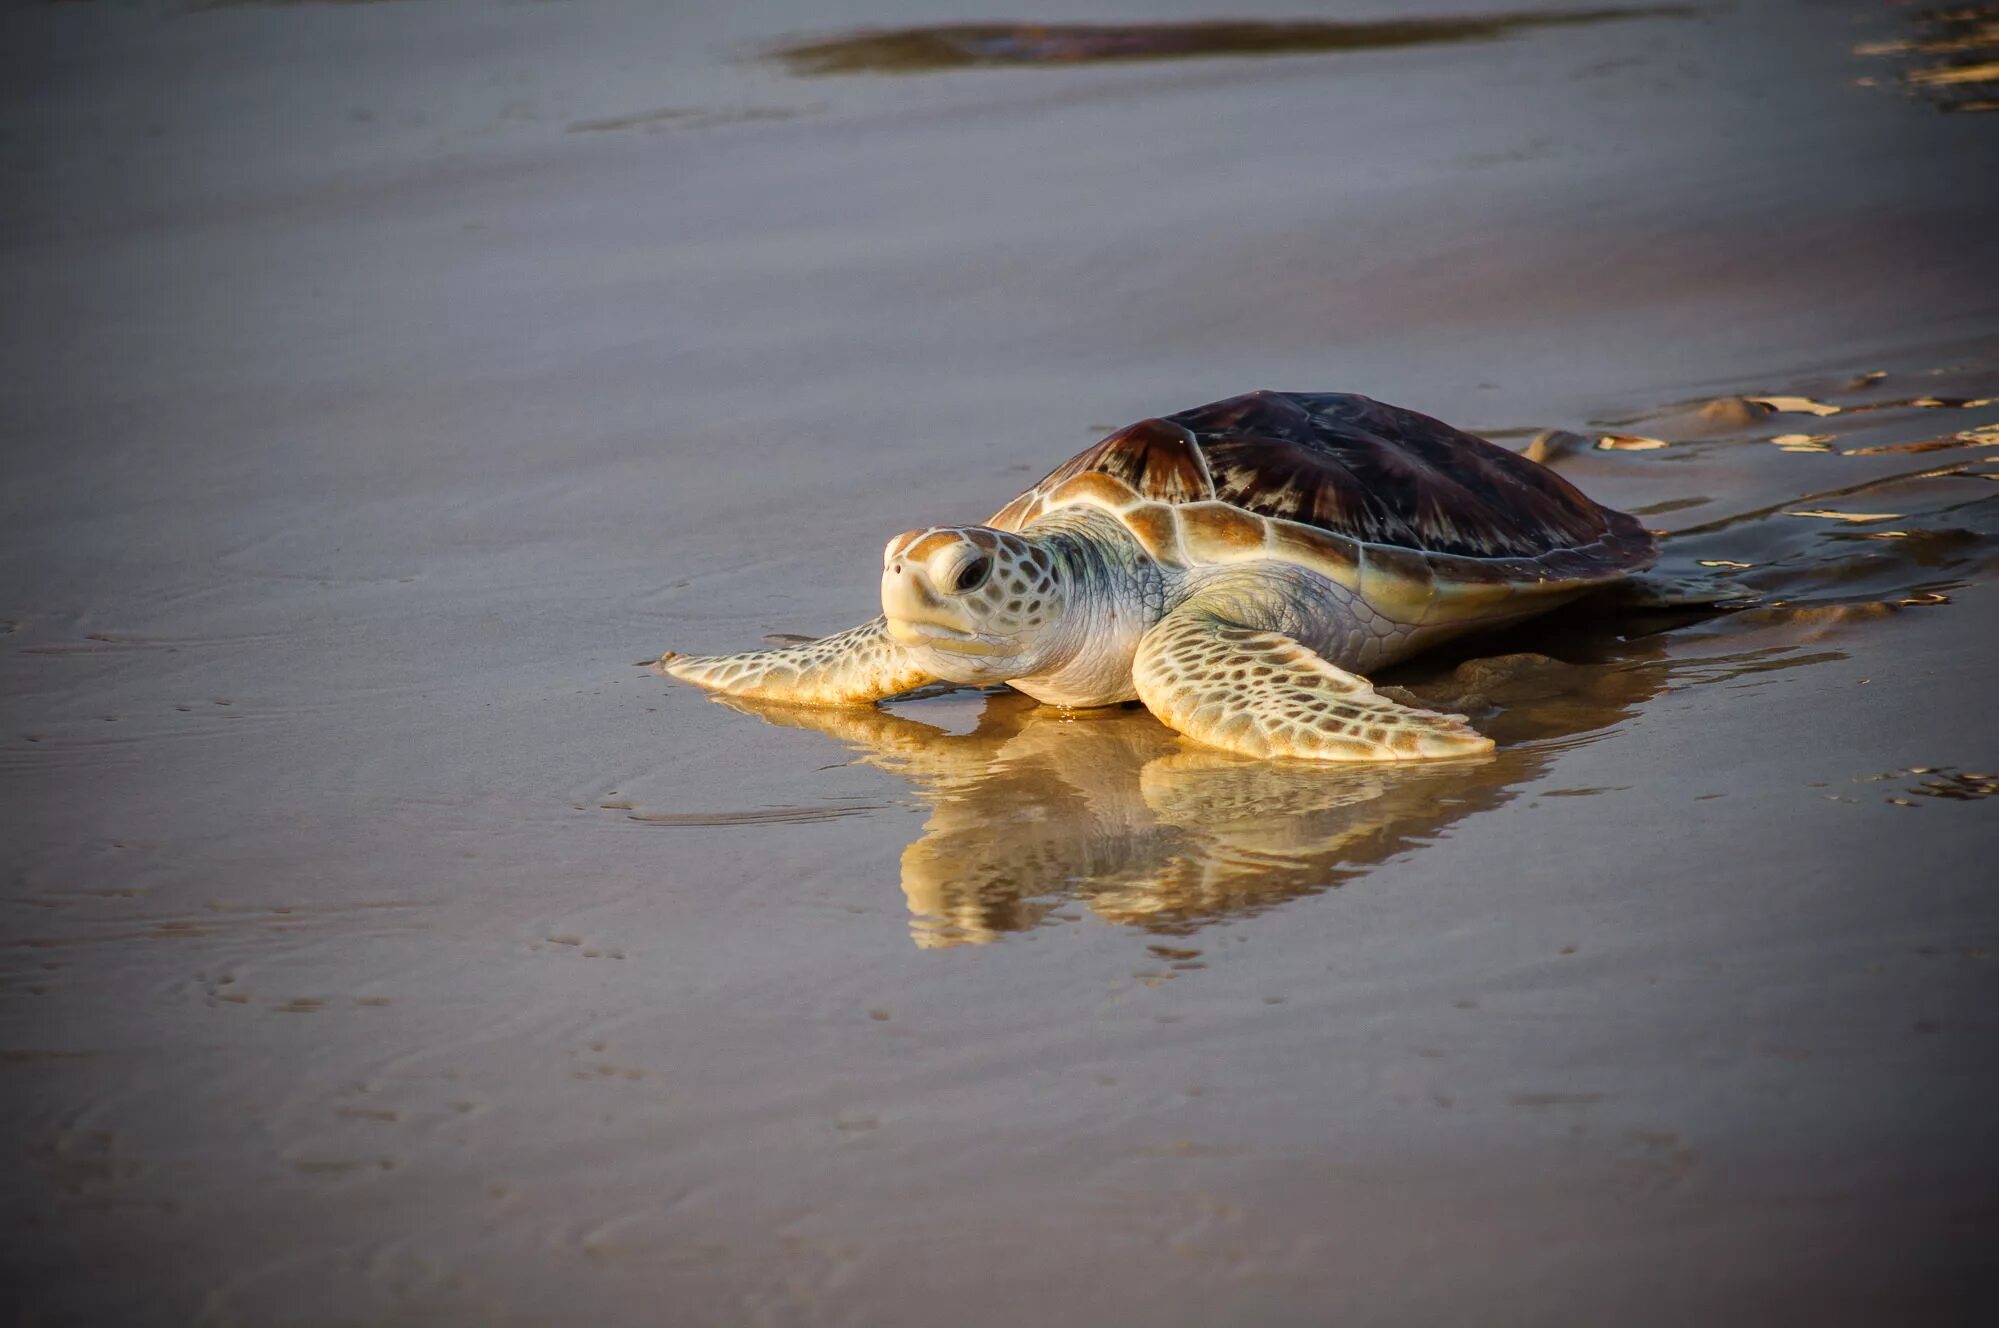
point(1978, 32)
point(1856, 518)
point(1036, 811)
point(1953, 785)
point(1954, 74)
point(1796, 405)
point(1960, 43)
point(1923, 445)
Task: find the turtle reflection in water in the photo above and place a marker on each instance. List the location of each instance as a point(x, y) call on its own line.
point(1035, 807)
point(1237, 567)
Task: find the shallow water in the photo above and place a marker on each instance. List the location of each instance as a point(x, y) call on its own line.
point(1033, 809)
point(384, 945)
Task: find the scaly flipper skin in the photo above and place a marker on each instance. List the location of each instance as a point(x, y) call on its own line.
point(854, 667)
point(1262, 693)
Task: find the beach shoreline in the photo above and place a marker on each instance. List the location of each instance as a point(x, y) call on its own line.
point(386, 943)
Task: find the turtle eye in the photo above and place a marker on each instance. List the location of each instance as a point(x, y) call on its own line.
point(971, 576)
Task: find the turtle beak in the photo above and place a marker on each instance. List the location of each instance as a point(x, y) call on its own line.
point(919, 611)
point(938, 636)
point(917, 616)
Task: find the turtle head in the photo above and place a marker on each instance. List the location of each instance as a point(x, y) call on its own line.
point(977, 603)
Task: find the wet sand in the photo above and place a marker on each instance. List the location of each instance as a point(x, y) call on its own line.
point(383, 944)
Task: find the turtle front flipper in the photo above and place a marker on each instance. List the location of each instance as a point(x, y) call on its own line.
point(853, 667)
point(1259, 692)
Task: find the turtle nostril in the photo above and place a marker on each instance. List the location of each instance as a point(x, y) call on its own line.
point(972, 575)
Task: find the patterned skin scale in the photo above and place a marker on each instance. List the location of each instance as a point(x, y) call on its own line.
point(1236, 567)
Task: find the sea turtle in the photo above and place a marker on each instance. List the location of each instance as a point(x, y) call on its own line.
point(1236, 567)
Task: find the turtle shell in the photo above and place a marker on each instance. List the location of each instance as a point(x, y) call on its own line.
point(1420, 519)
point(1390, 502)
